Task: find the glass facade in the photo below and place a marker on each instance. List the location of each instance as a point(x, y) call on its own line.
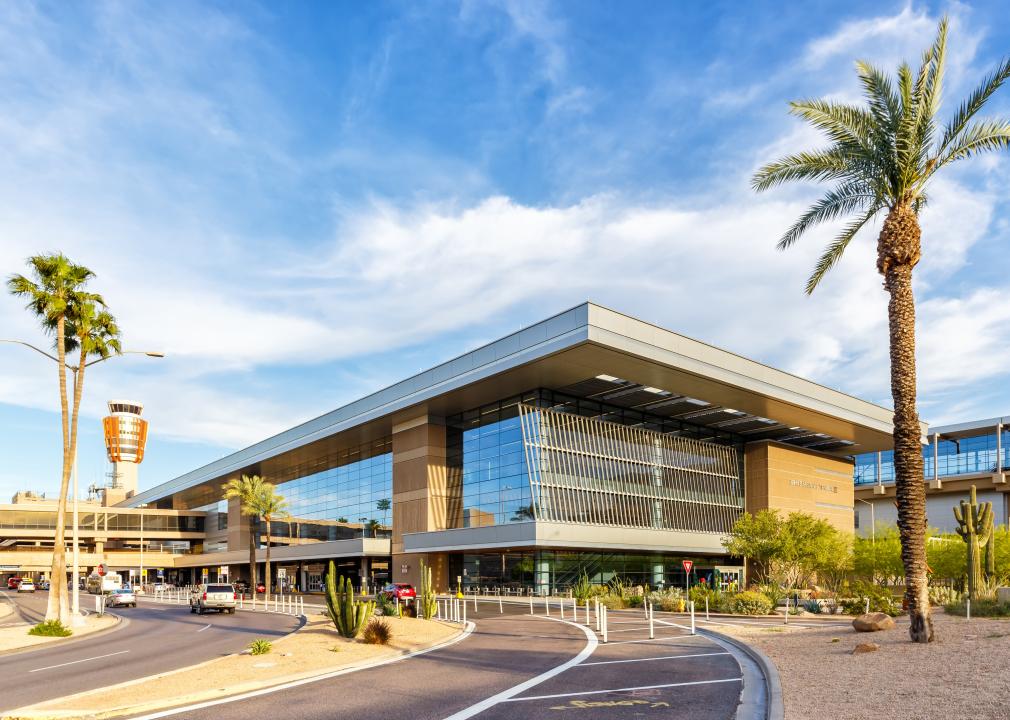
point(963, 456)
point(350, 498)
point(590, 464)
point(106, 521)
point(556, 571)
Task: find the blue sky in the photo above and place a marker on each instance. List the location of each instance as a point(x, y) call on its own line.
point(301, 203)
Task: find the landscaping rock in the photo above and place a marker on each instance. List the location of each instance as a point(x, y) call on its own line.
point(867, 647)
point(873, 622)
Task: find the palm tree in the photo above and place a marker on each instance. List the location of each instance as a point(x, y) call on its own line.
point(270, 506)
point(54, 290)
point(881, 158)
point(383, 505)
point(245, 490)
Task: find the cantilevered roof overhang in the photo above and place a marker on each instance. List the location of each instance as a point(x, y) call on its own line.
point(595, 352)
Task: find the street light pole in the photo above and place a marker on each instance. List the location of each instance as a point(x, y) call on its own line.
point(873, 522)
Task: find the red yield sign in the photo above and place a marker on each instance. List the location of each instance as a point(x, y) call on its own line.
point(101, 570)
point(688, 564)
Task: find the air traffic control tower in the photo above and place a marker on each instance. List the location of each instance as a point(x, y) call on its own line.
point(125, 438)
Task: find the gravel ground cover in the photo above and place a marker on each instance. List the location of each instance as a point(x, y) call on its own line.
point(962, 675)
point(16, 637)
point(315, 648)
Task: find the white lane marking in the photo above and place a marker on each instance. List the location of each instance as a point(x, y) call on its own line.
point(659, 639)
point(648, 659)
point(626, 689)
point(74, 662)
point(295, 683)
point(506, 695)
point(204, 627)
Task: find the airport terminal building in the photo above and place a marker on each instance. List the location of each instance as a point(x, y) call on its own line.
point(588, 442)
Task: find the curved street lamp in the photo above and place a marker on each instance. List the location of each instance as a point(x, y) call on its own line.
point(75, 577)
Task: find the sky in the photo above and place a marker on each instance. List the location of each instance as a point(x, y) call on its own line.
point(301, 203)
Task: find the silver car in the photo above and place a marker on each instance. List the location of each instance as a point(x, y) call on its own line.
point(121, 598)
point(213, 596)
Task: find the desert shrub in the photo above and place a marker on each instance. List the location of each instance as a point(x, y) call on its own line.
point(979, 608)
point(377, 632)
point(618, 587)
point(635, 601)
point(751, 602)
point(385, 605)
point(943, 595)
point(260, 647)
point(671, 603)
point(582, 590)
point(774, 592)
point(51, 628)
point(612, 602)
point(881, 600)
point(812, 606)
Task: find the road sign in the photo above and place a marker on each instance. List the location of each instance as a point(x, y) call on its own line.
point(161, 572)
point(688, 564)
point(101, 570)
point(282, 573)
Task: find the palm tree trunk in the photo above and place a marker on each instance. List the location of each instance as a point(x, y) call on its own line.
point(252, 558)
point(898, 252)
point(266, 569)
point(58, 606)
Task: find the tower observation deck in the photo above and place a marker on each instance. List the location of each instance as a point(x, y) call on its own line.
point(125, 438)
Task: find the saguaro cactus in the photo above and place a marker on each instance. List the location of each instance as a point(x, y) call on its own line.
point(975, 526)
point(428, 603)
point(348, 615)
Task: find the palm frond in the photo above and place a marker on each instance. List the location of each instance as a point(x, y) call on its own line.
point(977, 138)
point(835, 250)
point(841, 123)
point(818, 165)
point(970, 107)
point(839, 201)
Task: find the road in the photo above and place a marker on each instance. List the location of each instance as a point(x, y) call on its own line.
point(518, 666)
point(156, 638)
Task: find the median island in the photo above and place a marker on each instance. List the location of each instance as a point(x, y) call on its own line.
point(313, 650)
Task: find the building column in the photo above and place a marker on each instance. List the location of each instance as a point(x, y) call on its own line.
point(425, 495)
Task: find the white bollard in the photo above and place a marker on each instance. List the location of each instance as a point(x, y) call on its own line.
point(604, 611)
point(575, 610)
point(464, 613)
point(547, 607)
point(501, 610)
point(587, 613)
point(867, 605)
point(787, 611)
point(692, 617)
point(706, 608)
point(561, 607)
point(474, 601)
point(967, 609)
point(652, 630)
point(531, 603)
point(596, 602)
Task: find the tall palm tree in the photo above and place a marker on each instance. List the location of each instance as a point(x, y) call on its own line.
point(881, 158)
point(245, 490)
point(52, 291)
point(270, 506)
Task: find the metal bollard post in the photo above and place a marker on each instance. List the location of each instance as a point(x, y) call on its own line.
point(604, 609)
point(464, 613)
point(474, 601)
point(575, 610)
point(706, 608)
point(531, 603)
point(587, 613)
point(596, 602)
point(967, 609)
point(692, 617)
point(397, 606)
point(787, 611)
point(867, 605)
point(547, 607)
point(652, 629)
point(561, 607)
point(501, 610)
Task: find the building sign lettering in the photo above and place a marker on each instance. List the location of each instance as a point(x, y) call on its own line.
point(814, 485)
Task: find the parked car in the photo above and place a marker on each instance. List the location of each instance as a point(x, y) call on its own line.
point(403, 591)
point(241, 586)
point(261, 588)
point(26, 585)
point(121, 598)
point(44, 585)
point(213, 596)
point(12, 583)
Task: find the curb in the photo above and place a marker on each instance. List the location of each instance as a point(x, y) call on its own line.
point(195, 701)
point(120, 623)
point(750, 704)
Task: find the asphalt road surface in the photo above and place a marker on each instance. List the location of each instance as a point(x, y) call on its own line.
point(155, 638)
point(517, 666)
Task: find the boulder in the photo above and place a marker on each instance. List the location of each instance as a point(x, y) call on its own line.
point(872, 622)
point(866, 647)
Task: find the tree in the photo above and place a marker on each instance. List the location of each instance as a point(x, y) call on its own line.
point(373, 526)
point(881, 158)
point(383, 505)
point(55, 294)
point(758, 538)
point(878, 559)
point(245, 490)
point(270, 506)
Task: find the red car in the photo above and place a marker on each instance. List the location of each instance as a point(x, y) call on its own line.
point(12, 583)
point(399, 590)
